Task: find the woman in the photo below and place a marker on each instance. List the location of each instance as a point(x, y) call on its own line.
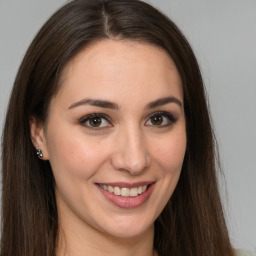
point(115, 152)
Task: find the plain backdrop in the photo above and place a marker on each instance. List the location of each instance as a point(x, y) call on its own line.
point(223, 36)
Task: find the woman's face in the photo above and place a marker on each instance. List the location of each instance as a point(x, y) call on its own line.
point(116, 126)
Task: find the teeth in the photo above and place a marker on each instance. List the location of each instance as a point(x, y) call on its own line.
point(125, 192)
point(117, 191)
point(133, 192)
point(110, 189)
point(140, 190)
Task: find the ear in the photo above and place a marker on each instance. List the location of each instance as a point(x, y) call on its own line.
point(37, 135)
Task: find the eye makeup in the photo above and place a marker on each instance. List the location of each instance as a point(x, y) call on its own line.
point(97, 121)
point(161, 119)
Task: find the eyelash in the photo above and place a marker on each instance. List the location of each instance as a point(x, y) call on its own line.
point(87, 118)
point(171, 119)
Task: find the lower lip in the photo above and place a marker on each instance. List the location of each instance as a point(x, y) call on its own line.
point(127, 202)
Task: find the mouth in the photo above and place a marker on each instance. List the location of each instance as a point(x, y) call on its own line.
point(125, 191)
point(126, 195)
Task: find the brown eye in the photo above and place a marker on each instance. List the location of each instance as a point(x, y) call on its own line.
point(95, 121)
point(156, 120)
point(161, 119)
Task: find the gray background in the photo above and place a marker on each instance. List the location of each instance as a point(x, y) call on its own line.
point(223, 35)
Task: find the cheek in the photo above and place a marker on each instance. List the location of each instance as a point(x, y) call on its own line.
point(72, 154)
point(170, 153)
point(168, 156)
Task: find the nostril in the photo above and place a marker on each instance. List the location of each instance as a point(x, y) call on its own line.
point(130, 153)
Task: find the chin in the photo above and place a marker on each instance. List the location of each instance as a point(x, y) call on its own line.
point(128, 228)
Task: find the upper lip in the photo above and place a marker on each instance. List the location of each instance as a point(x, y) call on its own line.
point(127, 184)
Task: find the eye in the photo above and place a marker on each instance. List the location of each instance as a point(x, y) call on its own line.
point(161, 119)
point(95, 121)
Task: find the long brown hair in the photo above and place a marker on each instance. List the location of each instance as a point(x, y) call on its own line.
point(192, 223)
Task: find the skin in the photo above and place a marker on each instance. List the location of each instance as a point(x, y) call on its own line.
point(128, 147)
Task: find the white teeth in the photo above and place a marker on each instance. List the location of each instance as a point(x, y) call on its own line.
point(117, 191)
point(133, 192)
point(110, 189)
point(125, 192)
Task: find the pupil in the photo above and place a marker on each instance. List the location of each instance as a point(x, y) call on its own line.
point(157, 120)
point(95, 121)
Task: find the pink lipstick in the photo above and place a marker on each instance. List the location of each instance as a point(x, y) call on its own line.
point(126, 195)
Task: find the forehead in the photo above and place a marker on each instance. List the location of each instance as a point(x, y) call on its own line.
point(123, 67)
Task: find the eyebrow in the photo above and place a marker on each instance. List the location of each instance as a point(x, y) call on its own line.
point(111, 105)
point(95, 102)
point(163, 101)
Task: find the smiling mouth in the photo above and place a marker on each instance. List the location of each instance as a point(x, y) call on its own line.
point(123, 191)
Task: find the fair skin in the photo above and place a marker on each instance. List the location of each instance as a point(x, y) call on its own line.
point(117, 123)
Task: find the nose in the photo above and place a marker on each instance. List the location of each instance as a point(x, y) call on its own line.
point(130, 154)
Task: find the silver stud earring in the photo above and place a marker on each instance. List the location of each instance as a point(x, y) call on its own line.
point(39, 153)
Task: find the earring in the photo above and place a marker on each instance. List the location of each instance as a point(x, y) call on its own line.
point(39, 153)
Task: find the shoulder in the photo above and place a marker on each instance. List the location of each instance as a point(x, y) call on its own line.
point(240, 252)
